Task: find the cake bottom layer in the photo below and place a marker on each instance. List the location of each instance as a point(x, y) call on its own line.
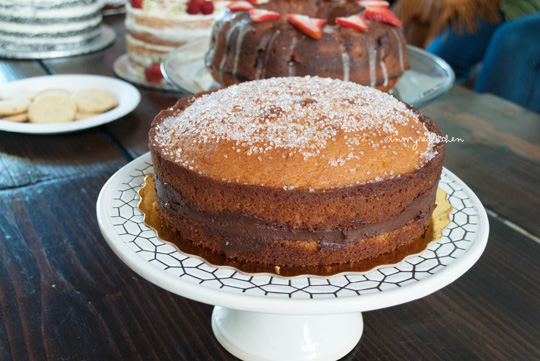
point(287, 253)
point(247, 239)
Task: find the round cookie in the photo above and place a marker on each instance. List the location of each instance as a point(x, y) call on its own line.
point(13, 106)
point(20, 94)
point(94, 100)
point(52, 109)
point(53, 91)
point(18, 118)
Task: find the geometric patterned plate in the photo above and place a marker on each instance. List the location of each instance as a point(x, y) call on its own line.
point(137, 245)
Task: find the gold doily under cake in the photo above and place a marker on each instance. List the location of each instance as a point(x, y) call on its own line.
point(439, 220)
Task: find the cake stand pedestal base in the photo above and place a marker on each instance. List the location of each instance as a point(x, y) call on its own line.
point(259, 336)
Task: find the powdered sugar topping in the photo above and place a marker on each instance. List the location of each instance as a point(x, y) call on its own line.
point(297, 115)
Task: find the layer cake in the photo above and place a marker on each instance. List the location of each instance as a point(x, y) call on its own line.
point(296, 171)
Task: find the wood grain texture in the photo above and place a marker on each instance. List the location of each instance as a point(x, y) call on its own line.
point(65, 294)
point(29, 159)
point(11, 70)
point(499, 157)
point(490, 313)
point(132, 132)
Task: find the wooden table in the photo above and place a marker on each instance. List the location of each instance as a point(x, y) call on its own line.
point(64, 295)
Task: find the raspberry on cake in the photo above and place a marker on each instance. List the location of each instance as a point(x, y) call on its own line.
point(361, 42)
point(295, 171)
point(156, 27)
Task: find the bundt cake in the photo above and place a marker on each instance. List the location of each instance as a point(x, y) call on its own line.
point(296, 171)
point(339, 39)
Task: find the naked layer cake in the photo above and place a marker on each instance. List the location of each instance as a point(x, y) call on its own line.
point(156, 27)
point(296, 171)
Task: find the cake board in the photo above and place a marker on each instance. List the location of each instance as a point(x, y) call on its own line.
point(270, 317)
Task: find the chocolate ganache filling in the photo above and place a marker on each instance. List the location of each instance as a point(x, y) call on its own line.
point(252, 232)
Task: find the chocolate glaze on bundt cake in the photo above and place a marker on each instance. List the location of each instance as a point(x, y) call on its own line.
point(296, 171)
point(243, 47)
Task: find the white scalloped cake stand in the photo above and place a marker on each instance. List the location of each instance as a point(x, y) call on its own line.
point(268, 317)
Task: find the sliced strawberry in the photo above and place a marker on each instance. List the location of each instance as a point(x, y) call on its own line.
point(137, 4)
point(356, 22)
point(153, 73)
point(381, 14)
point(366, 3)
point(240, 6)
point(259, 15)
point(312, 27)
point(207, 7)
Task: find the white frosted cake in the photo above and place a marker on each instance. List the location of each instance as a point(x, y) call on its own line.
point(46, 25)
point(156, 27)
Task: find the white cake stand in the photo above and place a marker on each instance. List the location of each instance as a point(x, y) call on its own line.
point(268, 317)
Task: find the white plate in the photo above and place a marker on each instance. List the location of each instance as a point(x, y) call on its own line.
point(127, 95)
point(428, 78)
point(137, 245)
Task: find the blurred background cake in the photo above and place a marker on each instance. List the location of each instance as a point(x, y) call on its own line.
point(48, 25)
point(156, 27)
point(358, 41)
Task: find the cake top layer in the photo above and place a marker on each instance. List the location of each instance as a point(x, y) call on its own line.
point(296, 132)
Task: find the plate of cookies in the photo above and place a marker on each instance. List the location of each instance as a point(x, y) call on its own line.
point(64, 103)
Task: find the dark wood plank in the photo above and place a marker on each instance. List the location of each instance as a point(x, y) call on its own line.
point(29, 159)
point(499, 157)
point(65, 294)
point(490, 313)
point(11, 70)
point(132, 131)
